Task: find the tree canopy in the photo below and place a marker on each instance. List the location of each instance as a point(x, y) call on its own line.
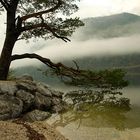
point(42, 18)
point(36, 19)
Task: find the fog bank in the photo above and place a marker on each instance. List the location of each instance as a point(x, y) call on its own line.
point(58, 50)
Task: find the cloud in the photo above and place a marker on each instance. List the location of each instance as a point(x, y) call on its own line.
point(59, 51)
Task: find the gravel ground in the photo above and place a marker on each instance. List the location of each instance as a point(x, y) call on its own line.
point(19, 130)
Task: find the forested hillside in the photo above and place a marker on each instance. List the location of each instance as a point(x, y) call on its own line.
point(124, 24)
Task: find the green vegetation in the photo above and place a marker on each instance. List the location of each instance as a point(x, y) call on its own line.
point(110, 79)
point(104, 91)
point(130, 63)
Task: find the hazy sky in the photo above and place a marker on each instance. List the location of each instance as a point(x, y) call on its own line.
point(90, 8)
point(87, 8)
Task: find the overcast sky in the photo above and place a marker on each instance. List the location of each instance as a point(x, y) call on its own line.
point(92, 8)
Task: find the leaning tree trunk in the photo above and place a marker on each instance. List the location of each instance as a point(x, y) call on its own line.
point(5, 59)
point(10, 39)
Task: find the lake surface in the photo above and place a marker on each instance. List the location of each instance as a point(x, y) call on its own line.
point(108, 125)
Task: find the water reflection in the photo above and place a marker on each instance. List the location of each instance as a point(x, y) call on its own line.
point(107, 117)
point(101, 123)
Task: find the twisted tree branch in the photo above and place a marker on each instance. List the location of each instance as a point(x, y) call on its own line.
point(43, 12)
point(59, 68)
point(27, 28)
point(46, 61)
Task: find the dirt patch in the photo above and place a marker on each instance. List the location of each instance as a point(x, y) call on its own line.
point(19, 130)
point(31, 133)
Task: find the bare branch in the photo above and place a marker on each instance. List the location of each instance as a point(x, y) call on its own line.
point(26, 28)
point(42, 12)
point(60, 69)
point(46, 61)
point(76, 64)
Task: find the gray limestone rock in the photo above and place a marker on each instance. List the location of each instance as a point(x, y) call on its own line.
point(23, 94)
point(57, 108)
point(27, 98)
point(42, 102)
point(10, 107)
point(57, 93)
point(43, 89)
point(36, 115)
point(8, 87)
point(56, 101)
point(27, 85)
point(25, 77)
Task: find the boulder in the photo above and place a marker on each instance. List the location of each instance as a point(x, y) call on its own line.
point(57, 93)
point(27, 86)
point(57, 108)
point(36, 115)
point(43, 89)
point(8, 87)
point(42, 102)
point(23, 95)
point(27, 98)
point(25, 77)
point(10, 107)
point(56, 101)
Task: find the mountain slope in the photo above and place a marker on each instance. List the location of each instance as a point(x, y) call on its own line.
point(124, 24)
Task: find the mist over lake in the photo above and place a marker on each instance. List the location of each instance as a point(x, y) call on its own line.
point(115, 45)
point(110, 35)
